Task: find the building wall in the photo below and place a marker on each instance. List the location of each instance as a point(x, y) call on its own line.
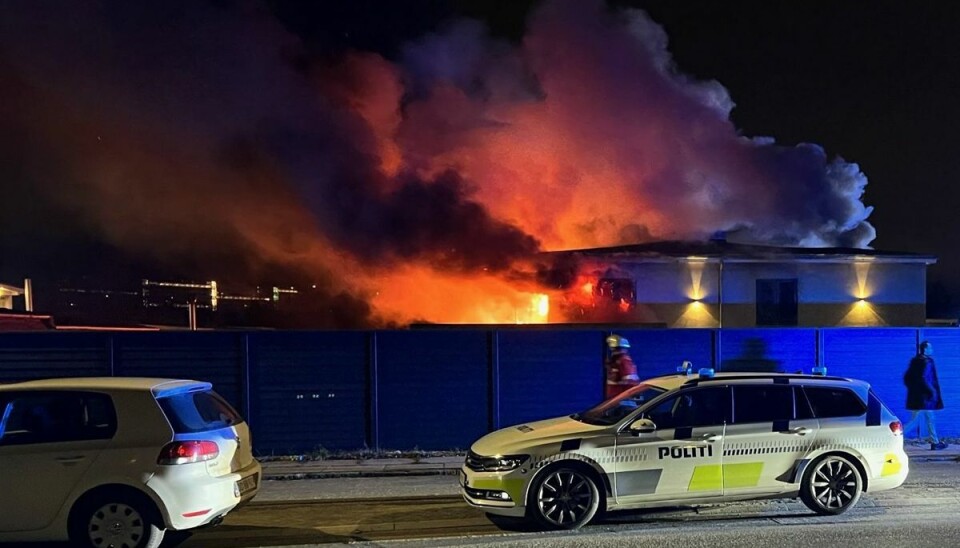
point(686, 293)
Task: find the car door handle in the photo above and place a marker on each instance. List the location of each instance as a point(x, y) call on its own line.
point(70, 460)
point(710, 437)
point(798, 431)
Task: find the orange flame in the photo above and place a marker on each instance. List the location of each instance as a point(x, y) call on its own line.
point(420, 294)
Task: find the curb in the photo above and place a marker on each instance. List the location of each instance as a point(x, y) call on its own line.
point(935, 458)
point(357, 474)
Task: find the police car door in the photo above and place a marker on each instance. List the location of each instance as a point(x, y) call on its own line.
point(770, 433)
point(679, 459)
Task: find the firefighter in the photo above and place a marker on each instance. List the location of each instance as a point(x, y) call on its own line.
point(621, 372)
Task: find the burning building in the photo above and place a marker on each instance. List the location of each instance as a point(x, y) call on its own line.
point(723, 284)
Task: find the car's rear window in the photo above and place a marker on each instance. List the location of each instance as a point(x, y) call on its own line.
point(198, 412)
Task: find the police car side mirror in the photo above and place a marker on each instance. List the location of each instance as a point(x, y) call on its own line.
point(642, 426)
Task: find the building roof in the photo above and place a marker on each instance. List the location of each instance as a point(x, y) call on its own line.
point(717, 250)
point(20, 321)
point(6, 289)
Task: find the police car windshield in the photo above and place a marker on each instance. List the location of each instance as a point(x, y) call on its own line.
point(618, 407)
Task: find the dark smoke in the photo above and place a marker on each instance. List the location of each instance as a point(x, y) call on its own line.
point(203, 139)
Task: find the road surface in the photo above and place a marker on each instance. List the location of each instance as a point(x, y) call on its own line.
point(424, 511)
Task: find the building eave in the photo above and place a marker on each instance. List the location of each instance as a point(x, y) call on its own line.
point(716, 252)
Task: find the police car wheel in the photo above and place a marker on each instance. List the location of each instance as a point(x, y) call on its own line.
point(831, 485)
point(564, 498)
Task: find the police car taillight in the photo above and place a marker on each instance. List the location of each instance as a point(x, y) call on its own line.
point(897, 428)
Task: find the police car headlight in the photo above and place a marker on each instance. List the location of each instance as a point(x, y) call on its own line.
point(504, 463)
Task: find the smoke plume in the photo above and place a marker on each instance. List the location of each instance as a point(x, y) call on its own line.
point(204, 137)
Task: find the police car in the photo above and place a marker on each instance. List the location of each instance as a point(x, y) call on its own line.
point(693, 439)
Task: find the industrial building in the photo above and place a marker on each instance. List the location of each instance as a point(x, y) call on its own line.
point(722, 284)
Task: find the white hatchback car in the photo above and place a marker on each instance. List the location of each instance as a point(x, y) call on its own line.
point(114, 462)
point(693, 439)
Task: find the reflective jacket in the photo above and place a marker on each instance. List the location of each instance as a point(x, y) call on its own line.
point(621, 373)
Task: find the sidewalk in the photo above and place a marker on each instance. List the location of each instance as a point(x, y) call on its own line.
point(917, 450)
point(427, 466)
point(336, 468)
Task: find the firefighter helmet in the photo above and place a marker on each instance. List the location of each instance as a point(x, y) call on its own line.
point(616, 341)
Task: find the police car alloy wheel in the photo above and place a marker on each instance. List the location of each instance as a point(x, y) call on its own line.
point(831, 485)
point(565, 498)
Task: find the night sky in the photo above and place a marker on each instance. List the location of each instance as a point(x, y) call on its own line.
point(262, 141)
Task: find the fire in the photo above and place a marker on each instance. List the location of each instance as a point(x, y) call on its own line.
point(541, 303)
point(415, 293)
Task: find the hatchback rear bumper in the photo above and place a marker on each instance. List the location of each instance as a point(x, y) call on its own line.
point(194, 500)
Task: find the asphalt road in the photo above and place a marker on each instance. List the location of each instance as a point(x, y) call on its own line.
point(923, 512)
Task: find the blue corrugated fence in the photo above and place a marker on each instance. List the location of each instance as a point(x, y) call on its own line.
point(442, 388)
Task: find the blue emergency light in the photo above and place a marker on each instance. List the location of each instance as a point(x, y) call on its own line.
point(820, 370)
point(706, 372)
point(685, 368)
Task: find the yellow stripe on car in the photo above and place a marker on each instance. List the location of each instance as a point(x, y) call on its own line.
point(513, 487)
point(711, 477)
point(891, 465)
point(745, 474)
point(706, 478)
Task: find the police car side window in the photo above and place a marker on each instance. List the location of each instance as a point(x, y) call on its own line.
point(707, 406)
point(802, 404)
point(829, 402)
point(762, 403)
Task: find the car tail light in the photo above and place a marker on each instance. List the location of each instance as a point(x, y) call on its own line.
point(897, 428)
point(185, 452)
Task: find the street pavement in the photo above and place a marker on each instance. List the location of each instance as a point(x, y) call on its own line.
point(377, 511)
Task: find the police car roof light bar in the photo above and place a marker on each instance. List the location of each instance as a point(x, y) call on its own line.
point(706, 372)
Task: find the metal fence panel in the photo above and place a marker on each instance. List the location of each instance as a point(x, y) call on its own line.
point(878, 356)
point(768, 350)
point(309, 391)
point(946, 353)
point(212, 356)
point(432, 388)
point(26, 356)
point(660, 351)
point(549, 373)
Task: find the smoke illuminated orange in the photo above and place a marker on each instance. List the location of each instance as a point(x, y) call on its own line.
point(415, 188)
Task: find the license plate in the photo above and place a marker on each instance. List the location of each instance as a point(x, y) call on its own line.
point(247, 484)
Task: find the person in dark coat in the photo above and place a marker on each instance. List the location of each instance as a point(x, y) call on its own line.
point(923, 393)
